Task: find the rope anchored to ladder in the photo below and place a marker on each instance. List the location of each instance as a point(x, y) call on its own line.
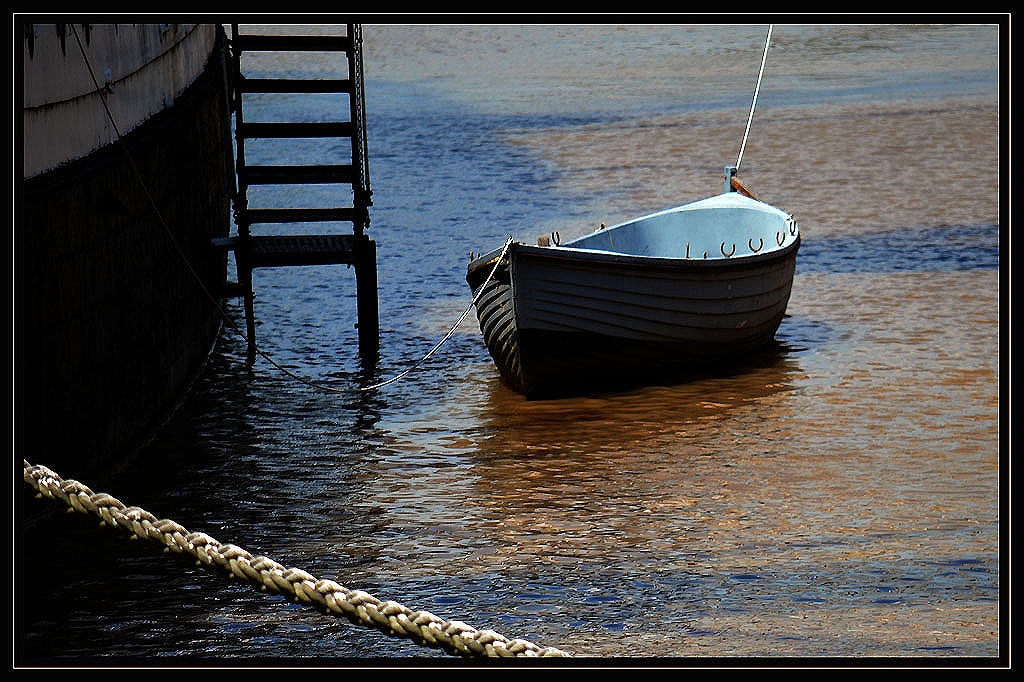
point(465, 313)
point(361, 608)
point(411, 368)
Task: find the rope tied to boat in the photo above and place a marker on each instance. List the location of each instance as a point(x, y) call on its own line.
point(462, 318)
point(328, 596)
point(411, 368)
point(757, 88)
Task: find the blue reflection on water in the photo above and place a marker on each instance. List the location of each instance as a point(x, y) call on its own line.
point(931, 249)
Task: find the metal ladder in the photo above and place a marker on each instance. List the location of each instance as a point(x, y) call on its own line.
point(268, 250)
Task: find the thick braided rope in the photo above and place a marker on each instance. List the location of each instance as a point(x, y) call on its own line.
point(359, 607)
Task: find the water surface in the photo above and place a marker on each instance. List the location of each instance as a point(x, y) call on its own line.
point(840, 499)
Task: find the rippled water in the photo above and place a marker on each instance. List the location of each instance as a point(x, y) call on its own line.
point(840, 499)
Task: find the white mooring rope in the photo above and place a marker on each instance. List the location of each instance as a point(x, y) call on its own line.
point(753, 103)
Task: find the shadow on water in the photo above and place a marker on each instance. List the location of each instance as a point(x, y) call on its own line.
point(929, 249)
point(720, 369)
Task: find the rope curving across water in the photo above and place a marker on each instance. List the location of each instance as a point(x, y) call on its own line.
point(390, 617)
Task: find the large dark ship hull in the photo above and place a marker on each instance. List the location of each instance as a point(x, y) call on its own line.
point(114, 276)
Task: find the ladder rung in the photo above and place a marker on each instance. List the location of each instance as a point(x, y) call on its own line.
point(303, 85)
point(227, 243)
point(274, 251)
point(261, 43)
point(267, 251)
point(301, 215)
point(296, 175)
point(231, 290)
point(268, 130)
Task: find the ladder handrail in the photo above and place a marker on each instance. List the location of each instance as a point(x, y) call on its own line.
point(240, 199)
point(357, 104)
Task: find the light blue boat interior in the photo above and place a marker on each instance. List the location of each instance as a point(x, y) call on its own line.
point(728, 225)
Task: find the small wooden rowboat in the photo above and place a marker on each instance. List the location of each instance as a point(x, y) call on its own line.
point(647, 300)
